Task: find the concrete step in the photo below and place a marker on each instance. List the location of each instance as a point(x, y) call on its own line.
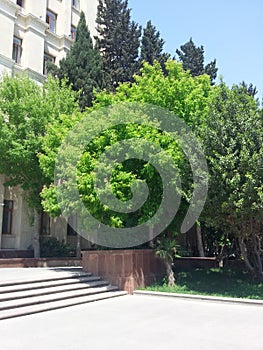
point(45, 284)
point(53, 305)
point(26, 293)
point(45, 278)
point(23, 292)
point(16, 303)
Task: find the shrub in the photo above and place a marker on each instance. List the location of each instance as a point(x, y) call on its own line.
point(51, 247)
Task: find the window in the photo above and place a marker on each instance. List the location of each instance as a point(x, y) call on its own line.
point(75, 3)
point(73, 33)
point(51, 19)
point(45, 224)
point(20, 3)
point(7, 217)
point(47, 58)
point(71, 221)
point(17, 49)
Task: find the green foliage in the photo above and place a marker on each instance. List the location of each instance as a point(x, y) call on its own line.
point(214, 282)
point(232, 137)
point(25, 111)
point(123, 176)
point(152, 46)
point(118, 42)
point(166, 248)
point(82, 66)
point(192, 58)
point(51, 247)
point(250, 89)
point(55, 133)
point(177, 91)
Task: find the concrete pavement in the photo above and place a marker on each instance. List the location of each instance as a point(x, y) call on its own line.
point(138, 322)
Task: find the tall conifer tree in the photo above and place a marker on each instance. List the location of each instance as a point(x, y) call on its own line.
point(82, 66)
point(152, 46)
point(192, 58)
point(118, 41)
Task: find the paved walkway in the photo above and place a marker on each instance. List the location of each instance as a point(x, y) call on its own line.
point(138, 322)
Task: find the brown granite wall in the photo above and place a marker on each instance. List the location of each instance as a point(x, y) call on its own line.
point(128, 269)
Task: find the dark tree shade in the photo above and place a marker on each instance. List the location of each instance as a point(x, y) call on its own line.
point(192, 58)
point(82, 65)
point(118, 42)
point(152, 46)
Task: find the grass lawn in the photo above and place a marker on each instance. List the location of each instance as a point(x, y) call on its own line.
point(216, 282)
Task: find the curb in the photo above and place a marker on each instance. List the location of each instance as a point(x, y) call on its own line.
point(200, 297)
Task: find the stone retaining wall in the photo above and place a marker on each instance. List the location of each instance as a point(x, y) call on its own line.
point(128, 269)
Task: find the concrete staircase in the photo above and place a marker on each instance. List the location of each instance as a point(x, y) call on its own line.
point(51, 289)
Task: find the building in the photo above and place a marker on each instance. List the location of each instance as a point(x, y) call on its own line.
point(37, 31)
point(33, 33)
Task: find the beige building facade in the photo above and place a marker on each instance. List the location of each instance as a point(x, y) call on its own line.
point(37, 31)
point(33, 33)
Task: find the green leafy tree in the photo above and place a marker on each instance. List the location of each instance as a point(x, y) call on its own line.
point(176, 91)
point(82, 66)
point(122, 177)
point(25, 111)
point(232, 137)
point(152, 46)
point(192, 58)
point(118, 42)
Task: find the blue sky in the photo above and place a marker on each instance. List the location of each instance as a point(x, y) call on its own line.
point(230, 31)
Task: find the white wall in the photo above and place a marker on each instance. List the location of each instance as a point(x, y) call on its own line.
point(7, 20)
point(29, 24)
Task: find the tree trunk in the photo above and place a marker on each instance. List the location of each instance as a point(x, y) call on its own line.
point(170, 273)
point(37, 223)
point(78, 247)
point(252, 259)
point(244, 254)
point(200, 245)
point(151, 240)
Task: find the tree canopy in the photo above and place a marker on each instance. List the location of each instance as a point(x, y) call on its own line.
point(152, 46)
point(232, 136)
point(176, 91)
point(192, 58)
point(26, 109)
point(118, 41)
point(82, 66)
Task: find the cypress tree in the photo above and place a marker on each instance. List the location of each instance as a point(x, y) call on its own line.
point(192, 58)
point(82, 65)
point(118, 42)
point(152, 46)
point(250, 89)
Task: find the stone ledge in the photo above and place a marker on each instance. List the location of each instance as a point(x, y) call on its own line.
point(41, 262)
